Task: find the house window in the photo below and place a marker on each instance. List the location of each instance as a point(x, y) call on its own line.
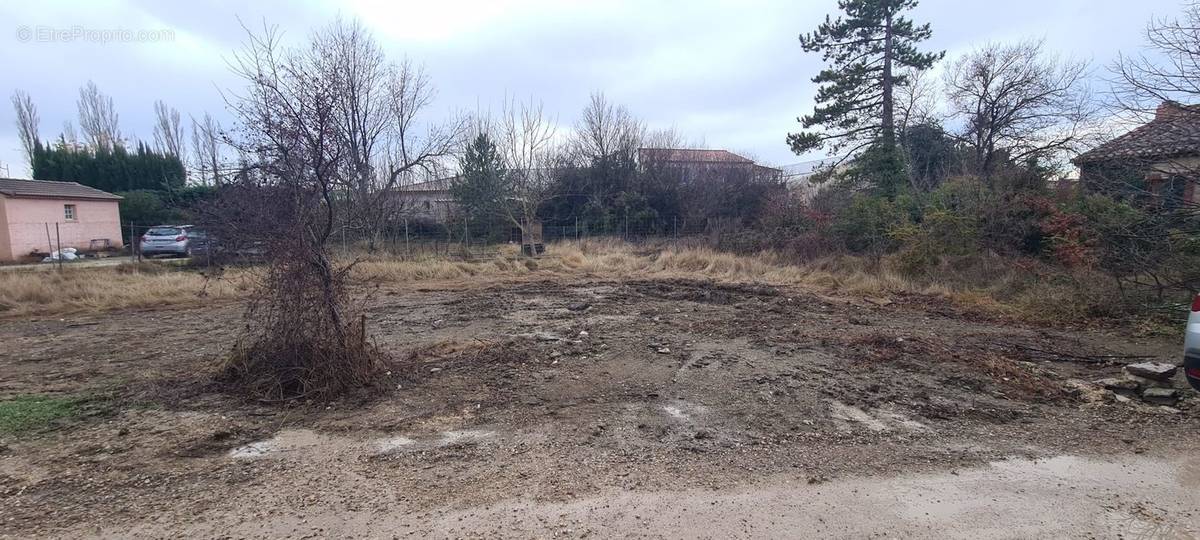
point(427, 205)
point(69, 212)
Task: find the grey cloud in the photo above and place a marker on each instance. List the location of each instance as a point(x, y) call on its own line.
point(729, 72)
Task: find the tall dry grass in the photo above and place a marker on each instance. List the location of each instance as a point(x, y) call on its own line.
point(996, 285)
point(99, 289)
point(616, 259)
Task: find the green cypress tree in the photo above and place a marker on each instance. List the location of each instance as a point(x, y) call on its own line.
point(38, 161)
point(109, 168)
point(865, 52)
point(481, 188)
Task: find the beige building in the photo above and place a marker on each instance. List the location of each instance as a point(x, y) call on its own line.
point(86, 217)
point(703, 164)
point(428, 201)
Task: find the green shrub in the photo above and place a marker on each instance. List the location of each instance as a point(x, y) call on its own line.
point(941, 233)
point(864, 225)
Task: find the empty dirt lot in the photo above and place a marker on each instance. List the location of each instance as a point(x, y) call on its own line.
point(584, 406)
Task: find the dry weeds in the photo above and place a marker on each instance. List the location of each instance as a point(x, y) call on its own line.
point(24, 293)
point(993, 286)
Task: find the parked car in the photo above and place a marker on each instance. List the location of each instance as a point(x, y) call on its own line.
point(167, 240)
point(200, 243)
point(1191, 345)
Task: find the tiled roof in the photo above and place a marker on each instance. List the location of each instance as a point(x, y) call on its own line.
point(437, 184)
point(1174, 131)
point(689, 155)
point(17, 187)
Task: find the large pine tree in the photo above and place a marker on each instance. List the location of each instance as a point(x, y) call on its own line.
point(866, 52)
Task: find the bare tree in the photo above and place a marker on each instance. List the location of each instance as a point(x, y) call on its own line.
point(669, 138)
point(605, 142)
point(28, 122)
point(1168, 69)
point(206, 147)
point(916, 102)
point(350, 58)
point(304, 334)
point(98, 118)
point(379, 111)
point(526, 140)
point(606, 130)
point(168, 131)
point(1017, 102)
point(69, 135)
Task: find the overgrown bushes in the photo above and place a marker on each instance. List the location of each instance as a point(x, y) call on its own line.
point(1082, 255)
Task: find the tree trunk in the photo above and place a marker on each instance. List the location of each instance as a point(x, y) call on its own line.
point(888, 122)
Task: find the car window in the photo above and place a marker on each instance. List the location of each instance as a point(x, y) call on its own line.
point(163, 231)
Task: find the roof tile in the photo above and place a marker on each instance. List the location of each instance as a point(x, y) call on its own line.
point(17, 187)
point(1175, 131)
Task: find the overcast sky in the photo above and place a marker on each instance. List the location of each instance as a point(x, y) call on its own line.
point(730, 73)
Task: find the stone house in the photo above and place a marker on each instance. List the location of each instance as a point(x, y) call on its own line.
point(1158, 161)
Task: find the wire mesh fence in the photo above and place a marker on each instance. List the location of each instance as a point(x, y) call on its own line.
point(471, 239)
point(400, 238)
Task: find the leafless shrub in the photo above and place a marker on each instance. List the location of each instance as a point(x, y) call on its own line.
point(305, 335)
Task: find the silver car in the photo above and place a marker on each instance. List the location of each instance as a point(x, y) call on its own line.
point(1191, 345)
point(167, 240)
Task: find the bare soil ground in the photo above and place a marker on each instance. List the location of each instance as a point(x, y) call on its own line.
point(560, 401)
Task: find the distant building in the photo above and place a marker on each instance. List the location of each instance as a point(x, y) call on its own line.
point(700, 163)
point(29, 209)
point(431, 201)
point(1160, 157)
point(428, 201)
point(803, 178)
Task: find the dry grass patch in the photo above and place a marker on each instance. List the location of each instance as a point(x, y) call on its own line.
point(99, 289)
point(989, 284)
point(994, 285)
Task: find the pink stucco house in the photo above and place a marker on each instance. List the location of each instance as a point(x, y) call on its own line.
point(85, 216)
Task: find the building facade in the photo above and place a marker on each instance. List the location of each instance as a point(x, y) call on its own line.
point(1158, 161)
point(36, 216)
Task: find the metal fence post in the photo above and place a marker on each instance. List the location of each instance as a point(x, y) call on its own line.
point(407, 253)
point(58, 240)
point(49, 242)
